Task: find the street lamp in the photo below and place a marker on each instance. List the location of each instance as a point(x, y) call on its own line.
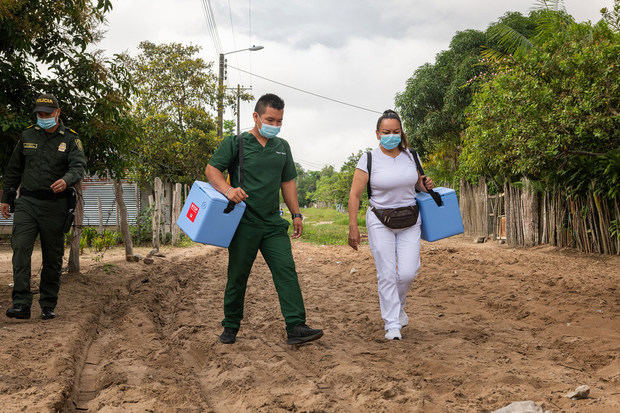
point(220, 94)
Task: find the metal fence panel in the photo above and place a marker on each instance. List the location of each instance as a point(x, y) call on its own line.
point(94, 190)
point(104, 189)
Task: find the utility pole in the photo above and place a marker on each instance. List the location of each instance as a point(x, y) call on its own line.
point(238, 91)
point(220, 90)
point(220, 98)
point(238, 109)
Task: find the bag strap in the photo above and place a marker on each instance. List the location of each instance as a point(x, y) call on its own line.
point(435, 195)
point(240, 158)
point(369, 167)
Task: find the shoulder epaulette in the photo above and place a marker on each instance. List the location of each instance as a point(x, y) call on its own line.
point(71, 130)
point(30, 126)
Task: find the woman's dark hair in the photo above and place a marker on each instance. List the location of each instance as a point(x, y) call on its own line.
point(390, 114)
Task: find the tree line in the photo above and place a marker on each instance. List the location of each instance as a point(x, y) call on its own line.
point(528, 105)
point(533, 98)
point(142, 116)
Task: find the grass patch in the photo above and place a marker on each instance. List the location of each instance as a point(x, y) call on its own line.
point(326, 226)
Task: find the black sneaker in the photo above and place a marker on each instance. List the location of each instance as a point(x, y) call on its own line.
point(19, 311)
point(229, 336)
point(47, 313)
point(301, 333)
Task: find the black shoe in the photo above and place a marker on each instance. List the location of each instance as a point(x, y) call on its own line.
point(301, 333)
point(229, 336)
point(19, 311)
point(47, 313)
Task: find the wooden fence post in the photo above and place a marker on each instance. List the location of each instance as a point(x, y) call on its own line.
point(121, 208)
point(100, 215)
point(157, 214)
point(167, 209)
point(76, 232)
point(530, 213)
point(176, 211)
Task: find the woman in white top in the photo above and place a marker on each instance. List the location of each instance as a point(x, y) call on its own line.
point(394, 178)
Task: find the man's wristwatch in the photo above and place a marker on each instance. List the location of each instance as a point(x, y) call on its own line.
point(298, 216)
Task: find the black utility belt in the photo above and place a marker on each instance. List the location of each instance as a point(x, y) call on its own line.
point(397, 218)
point(44, 195)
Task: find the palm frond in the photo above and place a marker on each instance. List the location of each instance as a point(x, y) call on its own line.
point(549, 22)
point(510, 40)
point(553, 5)
point(492, 54)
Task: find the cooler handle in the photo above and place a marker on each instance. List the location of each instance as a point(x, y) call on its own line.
point(231, 204)
point(229, 207)
point(435, 195)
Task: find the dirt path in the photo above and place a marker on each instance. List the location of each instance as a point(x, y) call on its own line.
point(488, 325)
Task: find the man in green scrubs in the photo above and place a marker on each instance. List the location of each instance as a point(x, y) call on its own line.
point(267, 167)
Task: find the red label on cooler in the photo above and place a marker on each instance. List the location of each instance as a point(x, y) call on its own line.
point(193, 211)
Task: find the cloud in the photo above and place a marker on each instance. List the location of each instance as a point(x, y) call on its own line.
point(358, 51)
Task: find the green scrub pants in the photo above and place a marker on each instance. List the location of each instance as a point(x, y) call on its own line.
point(45, 218)
point(275, 246)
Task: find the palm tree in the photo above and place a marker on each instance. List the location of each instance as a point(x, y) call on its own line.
point(550, 16)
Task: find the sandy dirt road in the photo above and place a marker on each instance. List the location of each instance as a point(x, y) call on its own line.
point(489, 325)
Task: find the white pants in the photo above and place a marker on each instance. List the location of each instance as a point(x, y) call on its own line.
point(397, 258)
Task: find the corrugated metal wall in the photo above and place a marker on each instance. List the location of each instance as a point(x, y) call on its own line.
point(105, 190)
point(92, 190)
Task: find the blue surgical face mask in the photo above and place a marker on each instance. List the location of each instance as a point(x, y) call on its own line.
point(390, 141)
point(46, 123)
point(269, 131)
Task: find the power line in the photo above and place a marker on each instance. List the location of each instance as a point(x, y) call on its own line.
point(250, 24)
point(305, 91)
point(211, 27)
point(217, 35)
point(232, 29)
point(308, 164)
point(217, 44)
point(204, 13)
point(208, 23)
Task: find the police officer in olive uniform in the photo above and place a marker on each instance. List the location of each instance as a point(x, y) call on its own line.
point(268, 167)
point(47, 160)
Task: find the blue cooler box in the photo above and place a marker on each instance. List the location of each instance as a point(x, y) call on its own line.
point(439, 221)
point(203, 219)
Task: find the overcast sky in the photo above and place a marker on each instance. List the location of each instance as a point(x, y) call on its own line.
point(357, 51)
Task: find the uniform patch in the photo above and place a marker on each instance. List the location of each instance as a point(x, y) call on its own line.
point(28, 145)
point(62, 147)
point(78, 143)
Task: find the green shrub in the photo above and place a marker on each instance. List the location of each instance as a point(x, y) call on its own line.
point(142, 232)
point(326, 226)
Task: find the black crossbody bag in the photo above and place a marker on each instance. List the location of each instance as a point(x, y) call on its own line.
point(403, 217)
